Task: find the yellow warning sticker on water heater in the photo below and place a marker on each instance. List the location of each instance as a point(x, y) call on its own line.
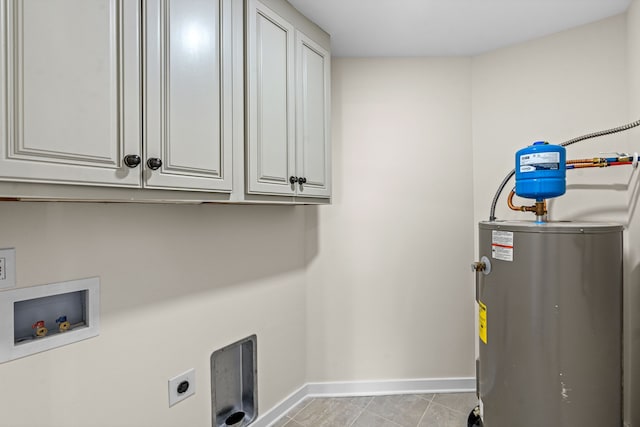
point(482, 321)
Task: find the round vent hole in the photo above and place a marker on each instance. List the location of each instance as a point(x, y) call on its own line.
point(234, 418)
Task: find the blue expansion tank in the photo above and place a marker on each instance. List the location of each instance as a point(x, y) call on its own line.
point(541, 171)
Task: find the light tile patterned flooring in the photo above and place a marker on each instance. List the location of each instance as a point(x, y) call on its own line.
point(410, 410)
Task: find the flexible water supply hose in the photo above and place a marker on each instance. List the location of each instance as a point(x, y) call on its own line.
point(494, 202)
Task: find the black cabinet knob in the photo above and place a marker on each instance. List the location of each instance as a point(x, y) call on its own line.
point(132, 160)
point(302, 180)
point(293, 179)
point(154, 163)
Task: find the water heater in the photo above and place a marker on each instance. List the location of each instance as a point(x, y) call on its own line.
point(550, 324)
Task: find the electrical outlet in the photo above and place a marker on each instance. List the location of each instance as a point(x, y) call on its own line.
point(182, 386)
point(7, 268)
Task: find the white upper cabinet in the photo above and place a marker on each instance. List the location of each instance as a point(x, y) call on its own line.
point(287, 108)
point(188, 99)
point(71, 108)
point(312, 108)
point(223, 100)
point(270, 102)
point(73, 111)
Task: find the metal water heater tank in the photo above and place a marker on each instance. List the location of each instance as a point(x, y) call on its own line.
point(550, 322)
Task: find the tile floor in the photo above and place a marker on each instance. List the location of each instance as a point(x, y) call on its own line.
point(412, 410)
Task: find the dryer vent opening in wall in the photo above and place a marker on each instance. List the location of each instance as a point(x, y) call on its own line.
point(234, 396)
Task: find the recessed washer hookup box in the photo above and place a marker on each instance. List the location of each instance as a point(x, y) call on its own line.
point(41, 318)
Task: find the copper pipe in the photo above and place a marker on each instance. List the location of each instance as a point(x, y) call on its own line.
point(588, 165)
point(519, 208)
point(594, 160)
point(510, 202)
point(540, 208)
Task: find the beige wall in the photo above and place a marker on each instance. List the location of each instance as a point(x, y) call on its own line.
point(390, 295)
point(177, 283)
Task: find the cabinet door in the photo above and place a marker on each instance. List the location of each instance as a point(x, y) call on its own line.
point(188, 94)
point(71, 109)
point(312, 126)
point(270, 102)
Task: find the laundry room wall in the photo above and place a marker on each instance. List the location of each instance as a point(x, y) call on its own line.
point(390, 295)
point(177, 283)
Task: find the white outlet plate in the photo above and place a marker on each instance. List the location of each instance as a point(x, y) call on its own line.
point(7, 268)
point(174, 383)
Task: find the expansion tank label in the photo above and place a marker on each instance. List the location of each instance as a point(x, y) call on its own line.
point(482, 321)
point(502, 245)
point(539, 161)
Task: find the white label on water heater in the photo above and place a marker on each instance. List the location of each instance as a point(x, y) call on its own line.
point(502, 245)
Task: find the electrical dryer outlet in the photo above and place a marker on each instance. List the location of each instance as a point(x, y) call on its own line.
point(182, 386)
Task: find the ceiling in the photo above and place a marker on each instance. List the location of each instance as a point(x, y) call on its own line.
point(446, 27)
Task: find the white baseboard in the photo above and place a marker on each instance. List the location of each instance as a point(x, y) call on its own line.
point(386, 387)
point(365, 388)
point(281, 408)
